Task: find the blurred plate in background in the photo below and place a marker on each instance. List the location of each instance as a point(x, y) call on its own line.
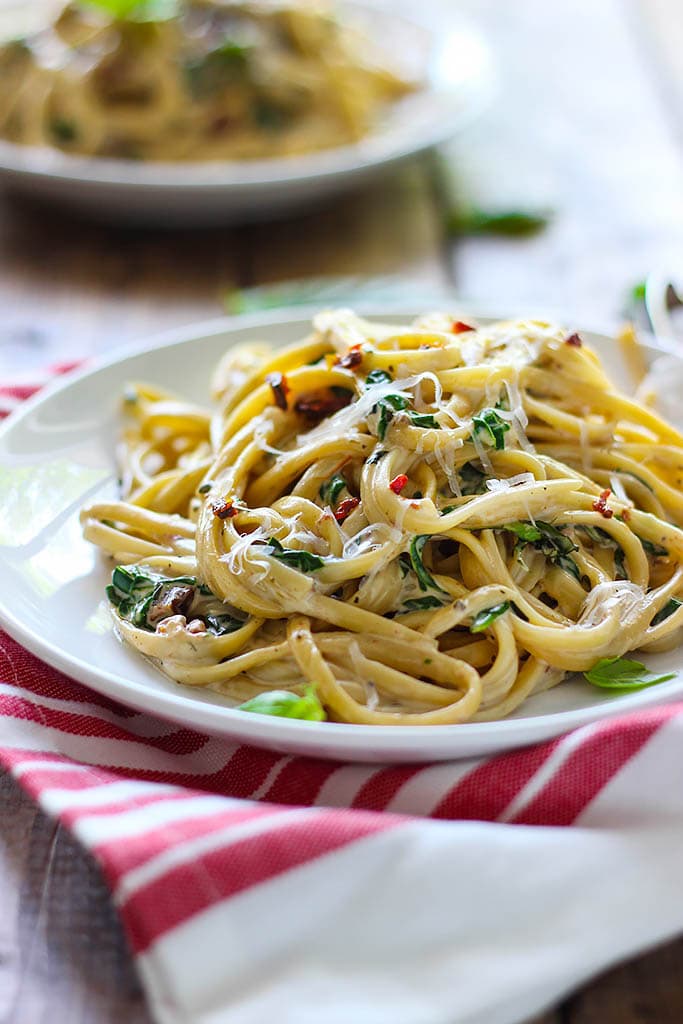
point(453, 59)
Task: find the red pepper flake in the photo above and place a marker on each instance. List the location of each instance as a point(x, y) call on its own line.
point(351, 359)
point(398, 483)
point(600, 505)
point(345, 508)
point(224, 509)
point(280, 389)
point(574, 340)
point(316, 407)
point(459, 327)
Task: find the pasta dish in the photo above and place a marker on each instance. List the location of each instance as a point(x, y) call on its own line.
point(424, 524)
point(194, 80)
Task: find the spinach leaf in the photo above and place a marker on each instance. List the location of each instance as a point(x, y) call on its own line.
point(305, 561)
point(283, 704)
point(551, 542)
point(423, 420)
point(387, 407)
point(219, 67)
point(490, 428)
point(426, 581)
point(623, 675)
point(484, 618)
point(422, 604)
point(472, 480)
point(378, 377)
point(668, 609)
point(134, 588)
point(653, 549)
point(332, 488)
point(377, 456)
point(221, 625)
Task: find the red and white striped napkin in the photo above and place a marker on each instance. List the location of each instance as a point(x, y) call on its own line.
point(256, 887)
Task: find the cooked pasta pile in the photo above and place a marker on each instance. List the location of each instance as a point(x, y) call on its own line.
point(194, 80)
point(423, 524)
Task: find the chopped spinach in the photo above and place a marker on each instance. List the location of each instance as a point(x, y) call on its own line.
point(487, 616)
point(304, 561)
point(424, 578)
point(387, 407)
point(378, 377)
point(332, 488)
point(422, 604)
point(669, 608)
point(547, 539)
point(423, 420)
point(490, 428)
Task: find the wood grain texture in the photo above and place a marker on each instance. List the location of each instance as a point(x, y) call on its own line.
point(588, 122)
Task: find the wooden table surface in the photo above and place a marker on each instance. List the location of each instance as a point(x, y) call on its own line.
point(589, 122)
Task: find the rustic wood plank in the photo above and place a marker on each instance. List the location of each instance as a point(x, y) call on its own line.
point(383, 228)
point(63, 957)
point(579, 127)
point(648, 990)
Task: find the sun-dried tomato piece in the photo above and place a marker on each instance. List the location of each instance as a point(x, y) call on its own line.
point(224, 509)
point(351, 359)
point(345, 508)
point(574, 340)
point(316, 407)
point(600, 505)
point(280, 389)
point(460, 327)
point(398, 483)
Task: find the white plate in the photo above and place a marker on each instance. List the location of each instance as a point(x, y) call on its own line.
point(56, 453)
point(459, 82)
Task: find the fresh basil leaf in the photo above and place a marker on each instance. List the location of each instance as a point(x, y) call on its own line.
point(305, 561)
point(283, 704)
point(511, 223)
point(487, 616)
point(387, 407)
point(423, 420)
point(332, 488)
point(490, 428)
point(621, 674)
point(378, 377)
point(422, 604)
point(668, 609)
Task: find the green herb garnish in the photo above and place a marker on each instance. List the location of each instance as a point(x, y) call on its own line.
point(332, 488)
point(221, 625)
point(377, 456)
point(490, 428)
point(423, 420)
point(472, 480)
point(378, 377)
point(305, 561)
point(216, 69)
point(422, 604)
point(283, 704)
point(653, 549)
point(136, 10)
point(550, 541)
point(622, 675)
point(424, 578)
point(134, 588)
point(484, 618)
point(669, 608)
point(511, 223)
point(387, 407)
point(63, 131)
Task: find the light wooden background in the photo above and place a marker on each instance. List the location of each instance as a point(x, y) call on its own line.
point(589, 121)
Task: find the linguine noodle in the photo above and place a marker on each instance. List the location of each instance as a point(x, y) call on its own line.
point(429, 523)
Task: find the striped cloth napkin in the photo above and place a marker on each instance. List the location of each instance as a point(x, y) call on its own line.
point(260, 887)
